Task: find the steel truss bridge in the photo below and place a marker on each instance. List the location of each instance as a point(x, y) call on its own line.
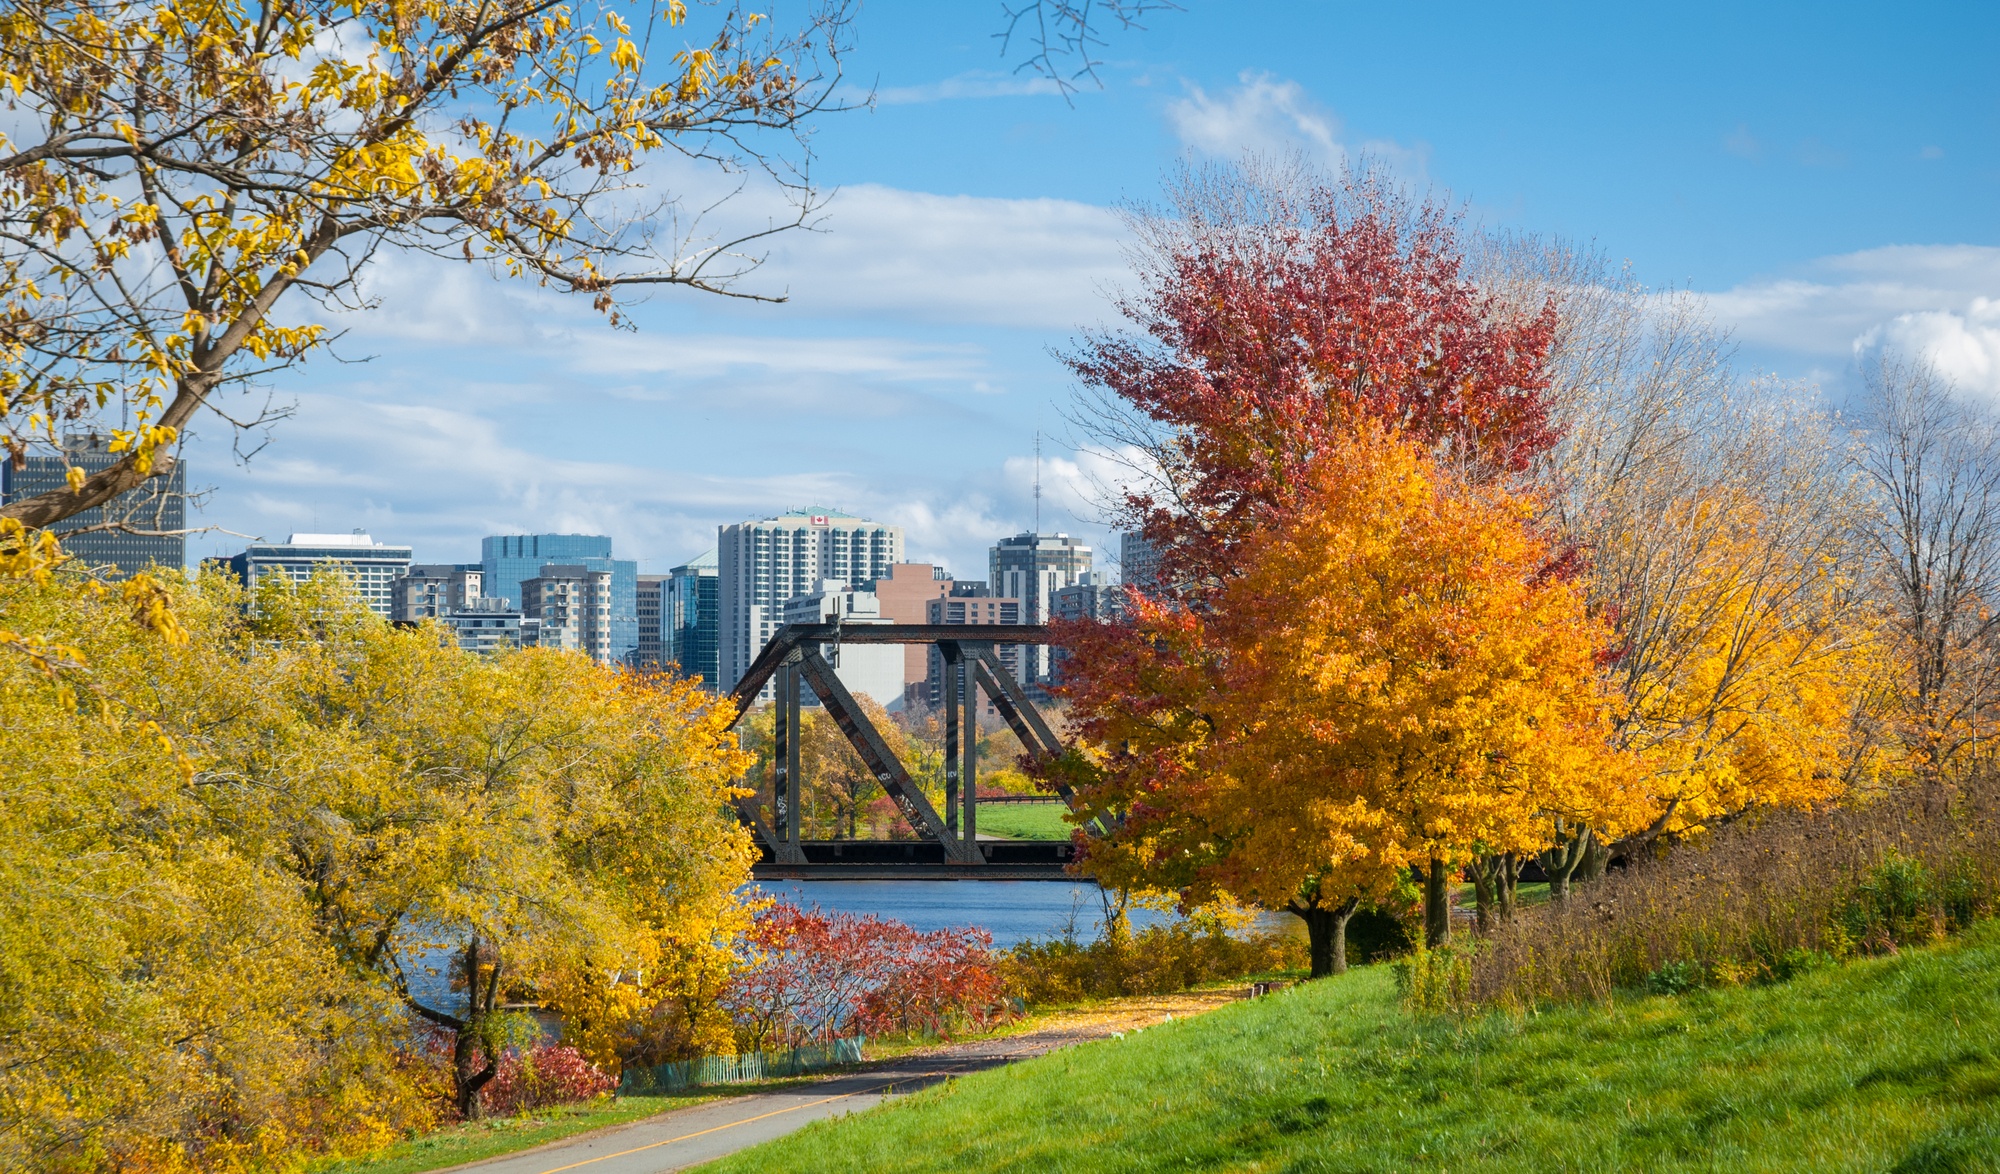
point(948, 847)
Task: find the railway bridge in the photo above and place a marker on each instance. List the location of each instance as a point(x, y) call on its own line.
point(948, 847)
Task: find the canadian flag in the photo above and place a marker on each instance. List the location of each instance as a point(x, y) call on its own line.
point(819, 519)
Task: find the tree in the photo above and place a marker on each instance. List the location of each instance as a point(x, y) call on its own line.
point(1274, 307)
point(1392, 679)
point(179, 181)
point(1277, 312)
point(1932, 463)
point(1720, 523)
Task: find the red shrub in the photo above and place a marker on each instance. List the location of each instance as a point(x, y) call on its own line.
point(820, 976)
point(547, 1074)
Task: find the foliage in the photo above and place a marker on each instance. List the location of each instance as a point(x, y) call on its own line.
point(544, 1075)
point(1762, 899)
point(1391, 679)
point(172, 172)
point(231, 843)
point(815, 976)
point(1156, 960)
point(1275, 310)
point(1878, 1065)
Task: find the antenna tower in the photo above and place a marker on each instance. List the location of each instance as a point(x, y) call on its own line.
point(1038, 484)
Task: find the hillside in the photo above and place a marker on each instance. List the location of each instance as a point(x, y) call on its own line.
point(1884, 1064)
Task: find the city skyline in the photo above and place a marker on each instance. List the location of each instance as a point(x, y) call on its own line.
point(1825, 196)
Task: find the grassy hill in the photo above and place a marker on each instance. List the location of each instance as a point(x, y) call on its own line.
point(1885, 1064)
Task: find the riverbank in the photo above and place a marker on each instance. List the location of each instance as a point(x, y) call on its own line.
point(1885, 1063)
point(555, 1137)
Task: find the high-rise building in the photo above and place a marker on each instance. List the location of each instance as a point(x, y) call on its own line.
point(651, 654)
point(507, 559)
point(1032, 568)
point(761, 564)
point(1091, 599)
point(159, 505)
point(873, 670)
point(1138, 562)
point(487, 625)
point(690, 618)
point(573, 604)
point(433, 590)
point(969, 603)
point(370, 565)
point(905, 597)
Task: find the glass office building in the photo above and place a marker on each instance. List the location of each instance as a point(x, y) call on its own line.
point(506, 560)
point(159, 505)
point(691, 619)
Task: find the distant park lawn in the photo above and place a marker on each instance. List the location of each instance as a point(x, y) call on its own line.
point(1888, 1064)
point(1024, 821)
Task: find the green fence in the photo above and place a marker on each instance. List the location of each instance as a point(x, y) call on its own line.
point(736, 1069)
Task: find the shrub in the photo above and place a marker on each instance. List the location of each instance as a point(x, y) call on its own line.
point(544, 1075)
point(1763, 899)
point(1435, 981)
point(1158, 960)
point(817, 976)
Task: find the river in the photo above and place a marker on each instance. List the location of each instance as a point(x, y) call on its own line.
point(1012, 911)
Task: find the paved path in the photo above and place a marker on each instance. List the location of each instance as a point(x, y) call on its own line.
point(688, 1137)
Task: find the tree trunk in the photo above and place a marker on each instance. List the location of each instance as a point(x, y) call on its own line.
point(1595, 859)
point(1561, 862)
point(1509, 884)
point(472, 1044)
point(1326, 935)
point(1485, 872)
point(1437, 905)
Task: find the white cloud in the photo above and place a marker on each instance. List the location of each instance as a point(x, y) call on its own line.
point(1275, 117)
point(978, 83)
point(1964, 346)
point(1037, 263)
point(1938, 302)
point(1262, 115)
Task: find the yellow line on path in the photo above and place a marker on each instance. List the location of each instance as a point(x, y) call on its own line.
point(759, 1117)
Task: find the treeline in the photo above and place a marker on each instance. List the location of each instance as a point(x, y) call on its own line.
point(1474, 552)
point(277, 878)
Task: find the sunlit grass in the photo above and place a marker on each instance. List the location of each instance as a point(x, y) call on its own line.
point(1885, 1064)
point(1024, 821)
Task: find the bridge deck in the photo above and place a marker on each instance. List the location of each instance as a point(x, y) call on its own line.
point(921, 860)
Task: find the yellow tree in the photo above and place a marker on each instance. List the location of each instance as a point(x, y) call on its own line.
point(180, 182)
point(1393, 678)
point(1722, 526)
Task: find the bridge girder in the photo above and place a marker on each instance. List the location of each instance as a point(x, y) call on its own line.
point(973, 667)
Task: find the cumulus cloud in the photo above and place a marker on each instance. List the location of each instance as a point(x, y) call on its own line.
point(1940, 302)
point(1964, 345)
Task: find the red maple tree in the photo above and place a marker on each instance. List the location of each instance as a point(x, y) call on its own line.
point(1270, 314)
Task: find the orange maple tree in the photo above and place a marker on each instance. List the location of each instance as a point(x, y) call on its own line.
point(1391, 679)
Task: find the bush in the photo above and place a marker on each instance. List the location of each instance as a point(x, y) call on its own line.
point(1158, 960)
point(544, 1075)
point(1761, 900)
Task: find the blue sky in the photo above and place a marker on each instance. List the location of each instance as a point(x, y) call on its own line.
point(1828, 174)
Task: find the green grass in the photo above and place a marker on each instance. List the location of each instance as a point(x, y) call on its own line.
point(505, 1135)
point(1889, 1064)
point(1024, 821)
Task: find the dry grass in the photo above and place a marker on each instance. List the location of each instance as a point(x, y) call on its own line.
point(1760, 900)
